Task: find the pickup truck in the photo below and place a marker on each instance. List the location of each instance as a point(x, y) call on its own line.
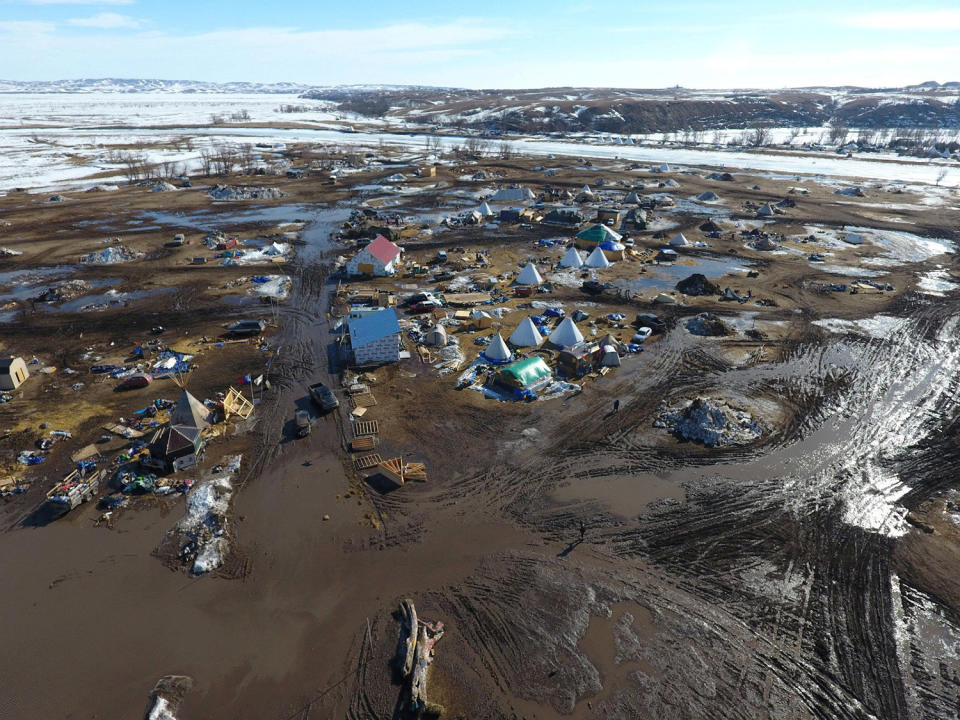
point(323, 397)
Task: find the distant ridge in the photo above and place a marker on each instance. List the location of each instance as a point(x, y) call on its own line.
point(131, 85)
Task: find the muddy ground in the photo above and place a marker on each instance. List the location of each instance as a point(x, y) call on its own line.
point(782, 579)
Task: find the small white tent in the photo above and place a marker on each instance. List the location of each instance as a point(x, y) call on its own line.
point(526, 335)
point(632, 199)
point(529, 275)
point(571, 258)
point(597, 259)
point(680, 240)
point(567, 334)
point(585, 190)
point(436, 337)
point(610, 357)
point(497, 351)
point(486, 210)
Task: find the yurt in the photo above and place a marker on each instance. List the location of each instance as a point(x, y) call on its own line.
point(566, 334)
point(497, 351)
point(571, 259)
point(597, 259)
point(526, 335)
point(529, 276)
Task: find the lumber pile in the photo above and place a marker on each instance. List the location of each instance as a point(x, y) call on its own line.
point(415, 653)
point(399, 471)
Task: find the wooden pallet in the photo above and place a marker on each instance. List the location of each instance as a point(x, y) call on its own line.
point(361, 444)
point(367, 461)
point(365, 427)
point(399, 471)
point(363, 400)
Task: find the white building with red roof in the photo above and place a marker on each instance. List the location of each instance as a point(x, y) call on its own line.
point(379, 258)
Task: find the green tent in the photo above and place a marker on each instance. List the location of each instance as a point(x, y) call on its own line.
point(525, 373)
point(596, 234)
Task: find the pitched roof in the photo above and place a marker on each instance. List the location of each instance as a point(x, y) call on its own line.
point(597, 234)
point(383, 250)
point(372, 327)
point(190, 411)
point(526, 334)
point(566, 334)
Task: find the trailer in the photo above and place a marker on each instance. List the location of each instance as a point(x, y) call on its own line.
point(74, 489)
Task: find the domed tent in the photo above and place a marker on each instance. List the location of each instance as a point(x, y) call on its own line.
point(436, 336)
point(596, 234)
point(680, 240)
point(497, 351)
point(571, 259)
point(597, 259)
point(567, 334)
point(485, 210)
point(529, 276)
point(526, 335)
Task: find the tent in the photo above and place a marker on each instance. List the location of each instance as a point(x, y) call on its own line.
point(664, 299)
point(679, 240)
point(765, 211)
point(486, 210)
point(610, 357)
point(529, 276)
point(708, 196)
point(596, 234)
point(436, 336)
point(585, 190)
point(191, 412)
point(597, 259)
point(609, 339)
point(512, 195)
point(853, 238)
point(571, 258)
point(497, 351)
point(566, 334)
point(526, 335)
point(632, 199)
point(710, 226)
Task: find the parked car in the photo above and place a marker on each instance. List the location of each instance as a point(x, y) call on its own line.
point(246, 328)
point(426, 305)
point(323, 397)
point(135, 381)
point(651, 321)
point(641, 335)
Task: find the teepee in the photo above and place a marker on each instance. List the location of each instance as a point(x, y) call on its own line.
point(526, 335)
point(566, 334)
point(529, 276)
point(597, 259)
point(680, 240)
point(190, 412)
point(486, 210)
point(632, 198)
point(571, 258)
point(497, 351)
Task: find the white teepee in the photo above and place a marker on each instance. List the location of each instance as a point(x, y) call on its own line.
point(680, 240)
point(497, 351)
point(566, 334)
point(526, 335)
point(632, 198)
point(486, 210)
point(597, 259)
point(529, 275)
point(571, 258)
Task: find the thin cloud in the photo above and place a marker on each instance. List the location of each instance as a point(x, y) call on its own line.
point(26, 27)
point(78, 2)
point(906, 20)
point(106, 20)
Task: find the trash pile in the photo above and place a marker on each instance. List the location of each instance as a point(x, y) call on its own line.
point(709, 325)
point(244, 192)
point(163, 187)
point(712, 422)
point(111, 256)
point(276, 287)
point(697, 284)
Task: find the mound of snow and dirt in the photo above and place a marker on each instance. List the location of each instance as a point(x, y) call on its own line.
point(203, 526)
point(712, 422)
point(163, 187)
point(709, 325)
point(111, 256)
point(697, 284)
point(274, 286)
point(244, 192)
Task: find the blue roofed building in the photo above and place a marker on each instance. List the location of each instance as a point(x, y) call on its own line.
point(375, 338)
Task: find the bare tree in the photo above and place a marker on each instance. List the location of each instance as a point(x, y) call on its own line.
point(758, 136)
point(942, 175)
point(838, 132)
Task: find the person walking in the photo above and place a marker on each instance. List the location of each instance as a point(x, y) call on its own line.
point(583, 530)
point(616, 405)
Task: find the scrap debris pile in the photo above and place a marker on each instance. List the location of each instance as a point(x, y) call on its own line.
point(415, 652)
point(712, 422)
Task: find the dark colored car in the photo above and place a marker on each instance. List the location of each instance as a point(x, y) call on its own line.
point(651, 321)
point(323, 397)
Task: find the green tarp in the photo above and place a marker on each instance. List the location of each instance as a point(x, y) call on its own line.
point(526, 372)
point(597, 234)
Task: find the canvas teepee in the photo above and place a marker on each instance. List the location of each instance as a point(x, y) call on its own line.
point(190, 412)
point(526, 335)
point(566, 334)
point(571, 258)
point(597, 259)
point(486, 210)
point(497, 351)
point(529, 275)
point(680, 240)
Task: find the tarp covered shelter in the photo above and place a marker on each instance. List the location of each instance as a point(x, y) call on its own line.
point(436, 336)
point(526, 335)
point(514, 194)
point(525, 374)
point(596, 234)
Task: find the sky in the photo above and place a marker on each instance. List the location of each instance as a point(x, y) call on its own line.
point(493, 44)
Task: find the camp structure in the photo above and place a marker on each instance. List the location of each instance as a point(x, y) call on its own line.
point(566, 334)
point(610, 357)
point(529, 276)
point(597, 259)
point(585, 193)
point(480, 319)
point(851, 237)
point(191, 412)
point(571, 258)
point(525, 375)
point(379, 258)
point(435, 337)
point(13, 373)
point(375, 338)
point(563, 216)
point(595, 235)
point(175, 447)
point(665, 299)
point(526, 335)
point(485, 210)
point(512, 195)
point(765, 211)
point(680, 240)
point(708, 196)
point(497, 351)
point(710, 226)
point(635, 218)
point(632, 198)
